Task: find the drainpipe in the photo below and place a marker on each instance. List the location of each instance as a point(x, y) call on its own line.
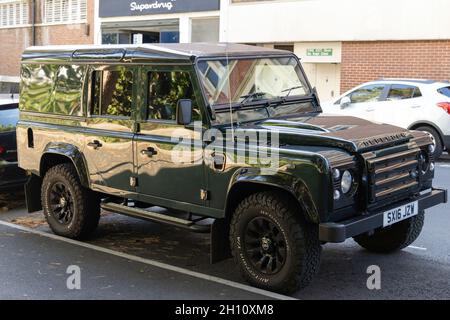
point(33, 22)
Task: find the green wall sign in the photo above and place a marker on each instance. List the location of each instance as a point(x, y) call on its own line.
point(319, 52)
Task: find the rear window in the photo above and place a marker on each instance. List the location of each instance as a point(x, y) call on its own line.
point(445, 91)
point(9, 115)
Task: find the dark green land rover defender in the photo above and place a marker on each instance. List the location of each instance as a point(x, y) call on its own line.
point(220, 138)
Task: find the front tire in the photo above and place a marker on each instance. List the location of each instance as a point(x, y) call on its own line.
point(274, 247)
point(71, 210)
point(393, 238)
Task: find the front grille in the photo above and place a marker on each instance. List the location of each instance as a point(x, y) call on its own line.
point(393, 175)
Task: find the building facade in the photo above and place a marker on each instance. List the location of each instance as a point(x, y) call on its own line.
point(341, 43)
point(25, 23)
point(153, 21)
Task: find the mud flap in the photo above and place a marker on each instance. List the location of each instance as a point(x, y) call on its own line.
point(33, 194)
point(220, 245)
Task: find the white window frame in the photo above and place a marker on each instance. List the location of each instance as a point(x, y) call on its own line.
point(65, 12)
point(14, 13)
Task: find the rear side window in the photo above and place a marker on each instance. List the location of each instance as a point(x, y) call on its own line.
point(369, 93)
point(445, 91)
point(402, 92)
point(164, 91)
point(52, 89)
point(112, 93)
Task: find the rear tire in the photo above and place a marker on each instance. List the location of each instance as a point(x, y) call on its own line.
point(71, 210)
point(393, 238)
point(437, 138)
point(274, 247)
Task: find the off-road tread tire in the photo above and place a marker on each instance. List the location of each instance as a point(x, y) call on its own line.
point(86, 203)
point(394, 238)
point(303, 261)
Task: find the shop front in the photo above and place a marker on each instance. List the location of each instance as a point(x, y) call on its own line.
point(154, 21)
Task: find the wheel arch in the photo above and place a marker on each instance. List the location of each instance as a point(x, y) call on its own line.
point(59, 153)
point(287, 185)
point(424, 123)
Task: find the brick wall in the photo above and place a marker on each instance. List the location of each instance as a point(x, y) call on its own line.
point(366, 61)
point(15, 40)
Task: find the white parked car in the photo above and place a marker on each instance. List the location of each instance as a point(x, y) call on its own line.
point(413, 104)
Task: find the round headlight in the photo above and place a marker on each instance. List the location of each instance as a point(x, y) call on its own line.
point(346, 182)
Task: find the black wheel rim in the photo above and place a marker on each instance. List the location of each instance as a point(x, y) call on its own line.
point(265, 246)
point(61, 203)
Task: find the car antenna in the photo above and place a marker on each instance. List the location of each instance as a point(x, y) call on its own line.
point(229, 90)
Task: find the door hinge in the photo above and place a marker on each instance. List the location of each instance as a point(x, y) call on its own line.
point(204, 194)
point(133, 182)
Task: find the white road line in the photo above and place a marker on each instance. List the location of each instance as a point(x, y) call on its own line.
point(153, 263)
point(443, 165)
point(418, 248)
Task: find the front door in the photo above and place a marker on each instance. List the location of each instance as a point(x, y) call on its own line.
point(167, 169)
point(109, 133)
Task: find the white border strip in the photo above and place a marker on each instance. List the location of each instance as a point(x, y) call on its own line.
point(153, 263)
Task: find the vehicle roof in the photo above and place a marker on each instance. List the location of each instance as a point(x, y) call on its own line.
point(167, 51)
point(412, 81)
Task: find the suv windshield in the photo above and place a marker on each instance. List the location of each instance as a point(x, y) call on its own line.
point(247, 80)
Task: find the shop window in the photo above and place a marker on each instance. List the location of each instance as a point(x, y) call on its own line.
point(170, 37)
point(164, 91)
point(112, 93)
point(14, 13)
point(62, 11)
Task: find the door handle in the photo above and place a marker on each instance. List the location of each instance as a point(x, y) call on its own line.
point(149, 152)
point(95, 144)
point(370, 110)
point(415, 107)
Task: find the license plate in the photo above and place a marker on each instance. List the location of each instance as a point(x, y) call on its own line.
point(401, 213)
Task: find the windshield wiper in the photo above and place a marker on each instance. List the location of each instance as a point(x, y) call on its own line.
point(249, 97)
point(289, 90)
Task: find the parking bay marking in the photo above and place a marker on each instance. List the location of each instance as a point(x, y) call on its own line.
point(418, 248)
point(154, 263)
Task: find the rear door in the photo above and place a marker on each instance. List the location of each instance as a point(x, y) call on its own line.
point(110, 128)
point(404, 104)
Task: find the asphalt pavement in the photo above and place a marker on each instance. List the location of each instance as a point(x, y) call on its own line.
point(34, 266)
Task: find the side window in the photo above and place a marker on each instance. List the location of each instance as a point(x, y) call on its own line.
point(371, 93)
point(112, 93)
point(402, 92)
point(164, 90)
point(445, 91)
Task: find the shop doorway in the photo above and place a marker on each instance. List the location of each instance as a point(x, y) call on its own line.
point(326, 77)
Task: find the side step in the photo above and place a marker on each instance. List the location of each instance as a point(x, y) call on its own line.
point(156, 217)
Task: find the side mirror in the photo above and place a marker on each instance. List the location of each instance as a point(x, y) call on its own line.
point(184, 112)
point(345, 102)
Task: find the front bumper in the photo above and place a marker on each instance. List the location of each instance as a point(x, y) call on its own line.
point(340, 231)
